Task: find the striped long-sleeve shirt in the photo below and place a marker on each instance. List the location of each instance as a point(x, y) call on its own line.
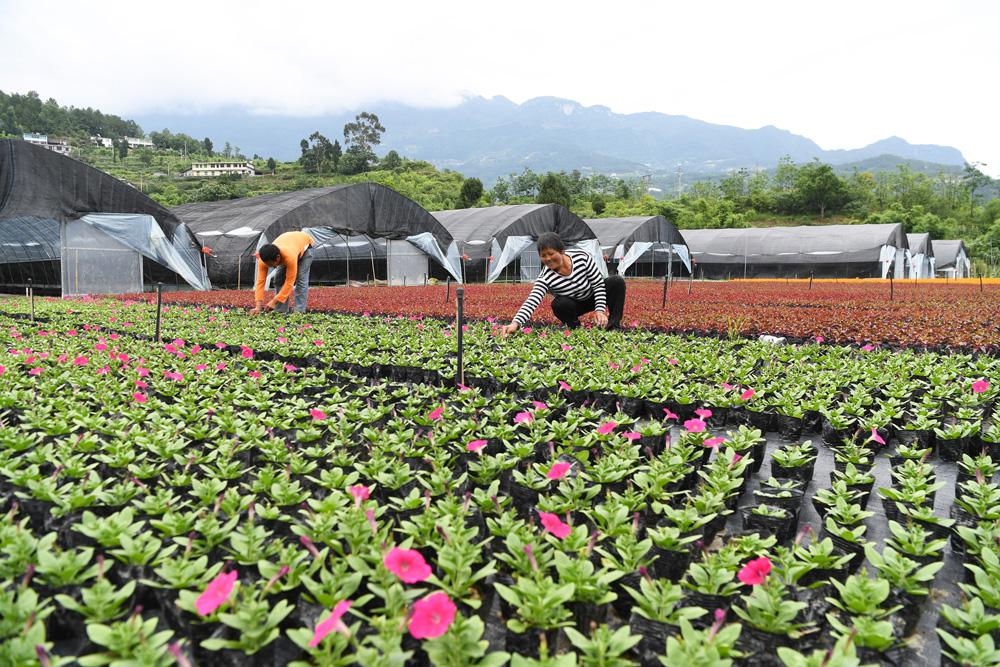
point(584, 280)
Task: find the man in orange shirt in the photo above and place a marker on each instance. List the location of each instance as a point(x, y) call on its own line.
point(292, 252)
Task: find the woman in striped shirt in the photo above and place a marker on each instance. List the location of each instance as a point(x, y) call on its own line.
point(577, 285)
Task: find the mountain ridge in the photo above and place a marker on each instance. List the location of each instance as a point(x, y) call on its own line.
point(491, 137)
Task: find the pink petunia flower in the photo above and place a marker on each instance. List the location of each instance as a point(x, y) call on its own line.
point(727, 386)
point(360, 493)
point(523, 418)
point(714, 442)
point(317, 415)
point(607, 427)
point(672, 362)
point(703, 413)
point(475, 445)
point(552, 524)
point(100, 347)
point(81, 361)
point(435, 414)
point(173, 375)
point(631, 435)
point(291, 368)
point(139, 397)
point(142, 372)
point(819, 339)
point(526, 330)
point(876, 437)
point(694, 426)
point(868, 348)
point(558, 470)
point(140, 384)
point(201, 367)
point(979, 386)
point(538, 405)
point(612, 365)
point(220, 366)
point(755, 572)
point(246, 352)
point(407, 564)
point(331, 623)
point(217, 592)
point(254, 374)
point(747, 395)
point(669, 414)
point(564, 386)
point(636, 368)
point(432, 616)
point(566, 348)
point(37, 370)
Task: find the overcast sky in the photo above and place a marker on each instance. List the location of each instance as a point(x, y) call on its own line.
point(842, 73)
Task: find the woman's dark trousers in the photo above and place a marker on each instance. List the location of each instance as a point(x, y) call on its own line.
point(569, 310)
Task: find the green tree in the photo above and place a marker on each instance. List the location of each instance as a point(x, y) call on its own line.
point(974, 180)
point(500, 194)
point(598, 204)
point(472, 190)
point(123, 148)
point(206, 143)
point(391, 161)
point(335, 154)
point(362, 136)
point(271, 165)
point(524, 184)
point(819, 189)
point(317, 154)
point(553, 190)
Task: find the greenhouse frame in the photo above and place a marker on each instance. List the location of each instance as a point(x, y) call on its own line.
point(493, 238)
point(68, 228)
point(363, 231)
point(820, 251)
point(641, 245)
point(951, 259)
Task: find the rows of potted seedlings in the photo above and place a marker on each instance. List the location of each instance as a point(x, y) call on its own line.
point(271, 491)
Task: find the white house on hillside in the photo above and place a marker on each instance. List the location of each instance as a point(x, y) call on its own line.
point(60, 146)
point(236, 167)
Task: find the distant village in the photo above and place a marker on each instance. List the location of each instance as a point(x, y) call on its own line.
point(210, 169)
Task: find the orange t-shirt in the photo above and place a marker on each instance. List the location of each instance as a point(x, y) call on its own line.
point(291, 245)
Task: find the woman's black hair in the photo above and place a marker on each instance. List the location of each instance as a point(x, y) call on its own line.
point(550, 241)
point(269, 252)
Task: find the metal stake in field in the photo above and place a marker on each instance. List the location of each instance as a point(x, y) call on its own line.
point(447, 293)
point(890, 288)
point(159, 308)
point(663, 302)
point(31, 297)
point(460, 325)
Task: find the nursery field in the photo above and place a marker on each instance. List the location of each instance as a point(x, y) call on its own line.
point(920, 315)
point(317, 490)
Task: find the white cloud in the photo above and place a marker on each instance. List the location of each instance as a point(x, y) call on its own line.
point(843, 74)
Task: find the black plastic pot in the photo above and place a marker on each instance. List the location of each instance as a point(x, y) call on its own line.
point(789, 428)
point(952, 450)
point(585, 613)
point(783, 528)
point(802, 473)
point(527, 644)
point(654, 639)
point(670, 564)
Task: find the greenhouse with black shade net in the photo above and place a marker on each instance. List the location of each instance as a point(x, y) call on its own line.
point(67, 228)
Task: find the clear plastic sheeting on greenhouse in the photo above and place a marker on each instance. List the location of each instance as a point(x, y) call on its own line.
point(142, 234)
point(41, 193)
point(920, 255)
point(489, 239)
point(639, 240)
point(235, 229)
point(951, 258)
point(822, 251)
